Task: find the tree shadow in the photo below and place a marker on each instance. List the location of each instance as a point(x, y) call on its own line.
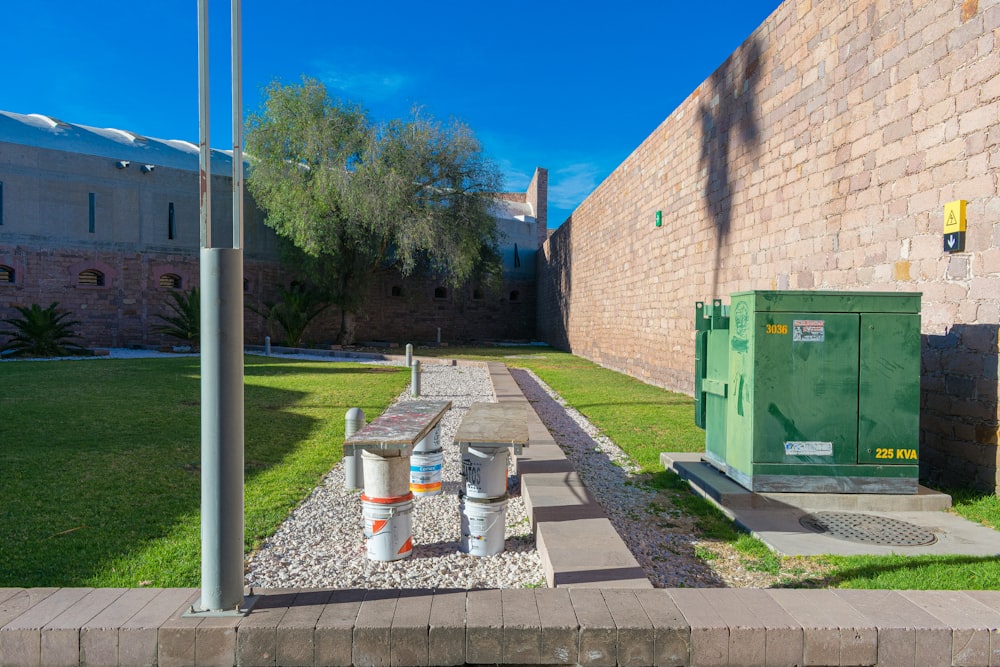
point(729, 128)
point(555, 286)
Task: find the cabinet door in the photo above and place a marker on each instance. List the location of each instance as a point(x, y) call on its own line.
point(806, 405)
point(889, 400)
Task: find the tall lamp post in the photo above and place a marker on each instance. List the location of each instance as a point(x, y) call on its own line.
point(221, 342)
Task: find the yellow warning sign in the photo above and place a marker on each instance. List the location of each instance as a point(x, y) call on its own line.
point(954, 216)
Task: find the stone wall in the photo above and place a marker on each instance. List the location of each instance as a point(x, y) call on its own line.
point(818, 156)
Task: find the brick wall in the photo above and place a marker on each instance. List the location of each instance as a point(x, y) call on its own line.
point(818, 156)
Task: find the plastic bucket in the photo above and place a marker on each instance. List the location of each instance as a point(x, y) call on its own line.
point(388, 525)
point(425, 473)
point(484, 471)
point(431, 441)
point(483, 523)
point(385, 476)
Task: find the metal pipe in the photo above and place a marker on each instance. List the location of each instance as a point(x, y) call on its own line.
point(204, 156)
point(354, 473)
point(415, 378)
point(267, 346)
point(236, 26)
point(409, 353)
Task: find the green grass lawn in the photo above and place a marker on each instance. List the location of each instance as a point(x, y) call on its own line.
point(99, 467)
point(99, 464)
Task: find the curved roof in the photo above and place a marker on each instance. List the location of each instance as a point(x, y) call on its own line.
point(51, 133)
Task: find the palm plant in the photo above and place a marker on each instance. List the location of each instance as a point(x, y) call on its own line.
point(185, 322)
point(41, 332)
point(299, 305)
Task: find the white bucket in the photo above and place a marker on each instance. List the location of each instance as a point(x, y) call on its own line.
point(483, 523)
point(431, 441)
point(388, 526)
point(425, 473)
point(484, 471)
point(385, 476)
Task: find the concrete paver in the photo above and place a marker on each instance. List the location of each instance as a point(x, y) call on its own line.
point(446, 637)
point(833, 631)
point(295, 634)
point(60, 638)
point(972, 623)
point(566, 564)
point(559, 641)
point(484, 627)
point(20, 638)
point(709, 631)
point(522, 627)
point(99, 635)
point(410, 629)
point(907, 635)
point(138, 637)
point(783, 635)
point(372, 629)
point(598, 633)
point(635, 639)
point(335, 629)
point(671, 631)
point(747, 632)
point(257, 635)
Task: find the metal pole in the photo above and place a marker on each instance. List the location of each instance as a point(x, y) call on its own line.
point(222, 522)
point(354, 473)
point(236, 26)
point(415, 378)
point(267, 346)
point(204, 155)
point(409, 353)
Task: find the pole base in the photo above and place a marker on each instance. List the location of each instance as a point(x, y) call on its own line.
point(242, 609)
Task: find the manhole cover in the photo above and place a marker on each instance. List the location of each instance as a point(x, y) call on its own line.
point(868, 529)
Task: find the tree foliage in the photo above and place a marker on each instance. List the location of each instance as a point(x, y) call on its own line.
point(41, 332)
point(358, 197)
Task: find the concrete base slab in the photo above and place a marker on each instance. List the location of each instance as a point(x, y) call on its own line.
point(775, 517)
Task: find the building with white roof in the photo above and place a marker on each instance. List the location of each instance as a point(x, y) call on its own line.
point(106, 223)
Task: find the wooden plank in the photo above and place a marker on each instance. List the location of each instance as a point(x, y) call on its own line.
point(400, 427)
point(499, 424)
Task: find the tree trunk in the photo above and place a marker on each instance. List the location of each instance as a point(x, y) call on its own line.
point(347, 326)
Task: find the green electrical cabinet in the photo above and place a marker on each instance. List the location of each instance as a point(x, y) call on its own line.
point(811, 391)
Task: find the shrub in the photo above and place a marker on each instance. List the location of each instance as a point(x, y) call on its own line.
point(41, 332)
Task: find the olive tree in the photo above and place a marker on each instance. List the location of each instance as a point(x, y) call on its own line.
point(357, 196)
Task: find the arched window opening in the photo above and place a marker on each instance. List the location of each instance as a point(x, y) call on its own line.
point(91, 278)
point(440, 293)
point(515, 296)
point(396, 291)
point(170, 280)
point(477, 294)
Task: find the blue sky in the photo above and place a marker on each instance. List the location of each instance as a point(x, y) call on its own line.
point(570, 86)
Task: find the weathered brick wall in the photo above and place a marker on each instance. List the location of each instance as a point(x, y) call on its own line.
point(818, 156)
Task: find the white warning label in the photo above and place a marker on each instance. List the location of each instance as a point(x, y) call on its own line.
point(808, 448)
point(808, 331)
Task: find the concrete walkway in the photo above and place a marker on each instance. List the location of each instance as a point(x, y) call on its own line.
point(598, 612)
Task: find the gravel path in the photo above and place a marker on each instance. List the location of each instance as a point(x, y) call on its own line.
point(321, 543)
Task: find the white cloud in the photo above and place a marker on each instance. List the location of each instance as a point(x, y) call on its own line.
point(365, 87)
point(570, 185)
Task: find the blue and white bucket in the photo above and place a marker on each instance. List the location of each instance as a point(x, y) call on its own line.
point(425, 473)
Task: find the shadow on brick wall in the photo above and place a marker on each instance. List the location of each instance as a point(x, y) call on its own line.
point(958, 407)
point(731, 108)
point(555, 286)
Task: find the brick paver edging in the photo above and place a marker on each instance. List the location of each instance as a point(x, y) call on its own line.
point(573, 623)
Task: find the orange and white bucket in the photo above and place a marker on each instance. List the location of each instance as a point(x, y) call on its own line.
point(388, 525)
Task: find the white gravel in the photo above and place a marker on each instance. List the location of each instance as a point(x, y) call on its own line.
point(322, 544)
